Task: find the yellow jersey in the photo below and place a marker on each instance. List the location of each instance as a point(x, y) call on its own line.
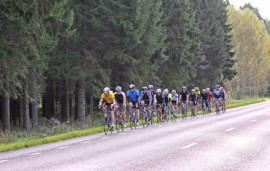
point(198, 93)
point(109, 98)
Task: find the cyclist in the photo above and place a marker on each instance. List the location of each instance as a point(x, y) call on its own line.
point(109, 100)
point(217, 94)
point(145, 98)
point(132, 98)
point(193, 99)
point(184, 98)
point(120, 99)
point(174, 102)
point(159, 100)
point(167, 99)
point(223, 96)
point(197, 90)
point(209, 98)
point(204, 97)
point(151, 90)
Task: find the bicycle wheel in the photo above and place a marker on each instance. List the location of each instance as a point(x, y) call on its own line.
point(144, 123)
point(217, 107)
point(166, 114)
point(106, 125)
point(131, 121)
point(184, 112)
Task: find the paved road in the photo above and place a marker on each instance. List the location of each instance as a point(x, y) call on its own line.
point(237, 140)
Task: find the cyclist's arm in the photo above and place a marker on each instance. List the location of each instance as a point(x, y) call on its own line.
point(124, 100)
point(113, 103)
point(100, 102)
point(140, 97)
point(150, 98)
point(155, 99)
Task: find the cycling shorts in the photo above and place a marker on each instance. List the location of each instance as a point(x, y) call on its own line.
point(109, 106)
point(174, 102)
point(134, 104)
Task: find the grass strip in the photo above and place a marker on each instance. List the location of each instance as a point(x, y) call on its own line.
point(74, 134)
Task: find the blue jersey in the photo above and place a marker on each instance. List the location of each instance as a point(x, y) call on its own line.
point(217, 93)
point(133, 97)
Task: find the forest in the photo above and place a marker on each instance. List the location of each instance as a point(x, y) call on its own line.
point(56, 56)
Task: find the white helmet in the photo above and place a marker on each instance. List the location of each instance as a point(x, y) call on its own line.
point(166, 91)
point(158, 91)
point(106, 90)
point(131, 86)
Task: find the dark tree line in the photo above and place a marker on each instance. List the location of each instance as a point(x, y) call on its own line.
point(57, 55)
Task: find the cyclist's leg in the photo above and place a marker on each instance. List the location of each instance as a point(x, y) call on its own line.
point(116, 108)
point(129, 106)
point(137, 112)
point(142, 104)
point(176, 108)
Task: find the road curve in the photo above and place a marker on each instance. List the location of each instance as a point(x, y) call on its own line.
point(236, 140)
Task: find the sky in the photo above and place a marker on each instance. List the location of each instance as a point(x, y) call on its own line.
point(262, 5)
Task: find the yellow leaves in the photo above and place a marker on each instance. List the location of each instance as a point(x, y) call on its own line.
point(252, 47)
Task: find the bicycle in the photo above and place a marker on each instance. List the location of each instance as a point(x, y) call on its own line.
point(193, 114)
point(159, 113)
point(174, 115)
point(205, 107)
point(119, 121)
point(184, 110)
point(132, 118)
point(107, 121)
point(167, 113)
point(217, 107)
point(144, 116)
point(223, 106)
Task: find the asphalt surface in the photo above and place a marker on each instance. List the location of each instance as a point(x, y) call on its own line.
point(236, 140)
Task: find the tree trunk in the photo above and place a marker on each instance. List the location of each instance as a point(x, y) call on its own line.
point(67, 100)
point(6, 113)
point(81, 101)
point(26, 124)
point(21, 112)
point(48, 99)
point(33, 95)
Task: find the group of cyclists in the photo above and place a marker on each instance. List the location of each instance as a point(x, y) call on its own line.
point(118, 100)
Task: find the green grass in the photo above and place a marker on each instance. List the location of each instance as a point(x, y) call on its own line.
point(8, 145)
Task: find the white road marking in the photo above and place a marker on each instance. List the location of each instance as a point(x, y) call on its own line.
point(60, 148)
point(188, 146)
point(253, 120)
point(84, 142)
point(136, 130)
point(122, 133)
point(105, 137)
point(230, 129)
point(33, 154)
point(2, 161)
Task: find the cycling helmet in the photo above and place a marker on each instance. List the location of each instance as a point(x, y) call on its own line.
point(197, 88)
point(217, 86)
point(131, 86)
point(174, 92)
point(204, 90)
point(106, 90)
point(221, 88)
point(208, 89)
point(184, 88)
point(166, 91)
point(192, 90)
point(158, 91)
point(144, 88)
point(118, 88)
point(150, 87)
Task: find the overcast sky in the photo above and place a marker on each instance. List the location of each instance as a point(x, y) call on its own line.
point(262, 5)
